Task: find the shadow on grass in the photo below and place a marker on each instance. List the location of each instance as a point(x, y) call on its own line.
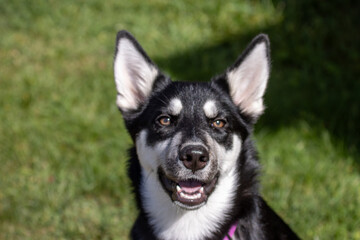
point(315, 63)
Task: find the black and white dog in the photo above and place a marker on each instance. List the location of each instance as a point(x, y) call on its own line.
point(194, 166)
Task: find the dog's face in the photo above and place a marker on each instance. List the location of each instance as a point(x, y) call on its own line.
point(188, 136)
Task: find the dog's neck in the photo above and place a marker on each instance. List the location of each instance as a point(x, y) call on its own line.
point(169, 221)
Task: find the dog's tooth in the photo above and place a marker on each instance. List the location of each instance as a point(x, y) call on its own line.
point(178, 189)
point(198, 195)
point(187, 196)
point(202, 190)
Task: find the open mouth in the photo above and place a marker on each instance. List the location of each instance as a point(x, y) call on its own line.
point(190, 193)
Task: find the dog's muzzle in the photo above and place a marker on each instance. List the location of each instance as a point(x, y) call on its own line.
point(190, 193)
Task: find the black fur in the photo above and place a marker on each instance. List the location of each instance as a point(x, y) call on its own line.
point(256, 220)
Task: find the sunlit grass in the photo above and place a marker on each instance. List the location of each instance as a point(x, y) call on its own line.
point(304, 168)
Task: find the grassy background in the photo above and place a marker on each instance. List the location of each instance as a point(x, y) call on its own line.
point(63, 143)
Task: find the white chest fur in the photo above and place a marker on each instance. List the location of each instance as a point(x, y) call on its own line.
point(172, 222)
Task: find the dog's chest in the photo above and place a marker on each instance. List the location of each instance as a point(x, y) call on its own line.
point(171, 222)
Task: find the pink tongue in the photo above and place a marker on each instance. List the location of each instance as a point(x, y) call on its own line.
point(190, 186)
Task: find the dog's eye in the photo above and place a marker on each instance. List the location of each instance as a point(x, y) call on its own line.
point(218, 123)
point(164, 120)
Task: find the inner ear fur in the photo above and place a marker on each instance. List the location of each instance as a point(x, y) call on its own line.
point(134, 73)
point(246, 79)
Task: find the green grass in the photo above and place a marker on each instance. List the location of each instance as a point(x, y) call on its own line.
point(63, 143)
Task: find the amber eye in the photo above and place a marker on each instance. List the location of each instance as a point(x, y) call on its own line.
point(218, 123)
point(165, 120)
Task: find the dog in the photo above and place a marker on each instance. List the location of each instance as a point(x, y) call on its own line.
point(194, 168)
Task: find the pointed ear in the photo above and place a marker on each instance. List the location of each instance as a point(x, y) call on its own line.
point(134, 73)
point(247, 78)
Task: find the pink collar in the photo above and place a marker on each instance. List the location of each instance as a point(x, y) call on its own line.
point(231, 231)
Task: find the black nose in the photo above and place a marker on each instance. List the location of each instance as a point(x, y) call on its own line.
point(194, 157)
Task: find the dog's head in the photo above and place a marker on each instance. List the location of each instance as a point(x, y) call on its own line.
point(188, 136)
